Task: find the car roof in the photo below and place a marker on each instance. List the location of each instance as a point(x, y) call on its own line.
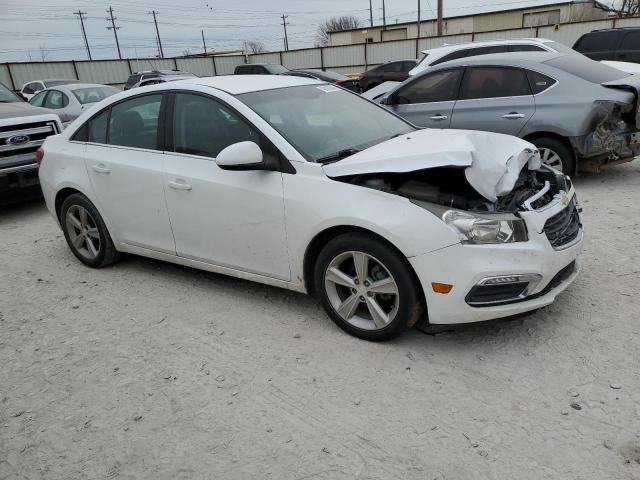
point(78, 86)
point(485, 43)
point(511, 58)
point(238, 84)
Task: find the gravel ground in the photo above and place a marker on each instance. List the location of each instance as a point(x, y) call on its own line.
point(150, 370)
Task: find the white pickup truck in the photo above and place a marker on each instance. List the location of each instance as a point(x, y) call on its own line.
point(23, 129)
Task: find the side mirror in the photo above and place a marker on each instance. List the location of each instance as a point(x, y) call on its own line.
point(241, 156)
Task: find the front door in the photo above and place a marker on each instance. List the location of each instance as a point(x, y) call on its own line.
point(125, 167)
point(494, 99)
point(428, 101)
point(232, 219)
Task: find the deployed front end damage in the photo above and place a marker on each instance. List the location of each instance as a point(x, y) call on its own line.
point(518, 222)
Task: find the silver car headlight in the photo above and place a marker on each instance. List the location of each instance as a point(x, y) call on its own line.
point(483, 230)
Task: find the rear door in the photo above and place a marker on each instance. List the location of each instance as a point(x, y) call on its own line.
point(629, 50)
point(428, 100)
point(494, 99)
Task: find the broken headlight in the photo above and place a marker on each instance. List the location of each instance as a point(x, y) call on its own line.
point(481, 230)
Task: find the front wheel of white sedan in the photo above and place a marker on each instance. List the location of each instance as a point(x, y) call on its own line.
point(367, 288)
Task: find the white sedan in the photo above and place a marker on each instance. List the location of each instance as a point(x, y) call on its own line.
point(299, 184)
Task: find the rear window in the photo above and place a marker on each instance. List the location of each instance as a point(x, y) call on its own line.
point(275, 69)
point(587, 69)
point(133, 79)
point(55, 83)
point(599, 41)
point(631, 41)
point(93, 94)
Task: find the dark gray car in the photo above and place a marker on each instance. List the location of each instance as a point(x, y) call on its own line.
point(578, 112)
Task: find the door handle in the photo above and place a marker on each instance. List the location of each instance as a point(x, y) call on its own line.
point(100, 168)
point(438, 117)
point(513, 115)
point(179, 185)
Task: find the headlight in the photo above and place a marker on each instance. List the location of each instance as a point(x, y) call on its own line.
point(480, 230)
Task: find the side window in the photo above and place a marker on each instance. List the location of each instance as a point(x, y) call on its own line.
point(474, 52)
point(452, 56)
point(434, 87)
point(38, 99)
point(134, 123)
point(28, 89)
point(394, 67)
point(406, 66)
point(56, 99)
point(526, 48)
point(631, 41)
point(492, 82)
point(97, 131)
point(599, 41)
point(539, 82)
point(203, 126)
point(133, 79)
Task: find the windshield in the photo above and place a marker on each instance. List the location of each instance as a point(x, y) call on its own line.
point(421, 61)
point(587, 69)
point(7, 95)
point(93, 94)
point(323, 121)
point(55, 83)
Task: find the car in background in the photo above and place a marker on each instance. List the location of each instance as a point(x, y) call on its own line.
point(336, 78)
point(397, 71)
point(136, 78)
point(23, 128)
point(260, 69)
point(162, 79)
point(299, 184)
point(615, 44)
point(68, 101)
point(445, 53)
point(29, 89)
point(578, 112)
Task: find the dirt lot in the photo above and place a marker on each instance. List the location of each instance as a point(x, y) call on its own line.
point(149, 370)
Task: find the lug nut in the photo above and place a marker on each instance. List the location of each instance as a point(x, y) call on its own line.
point(361, 298)
point(366, 284)
point(356, 281)
point(353, 290)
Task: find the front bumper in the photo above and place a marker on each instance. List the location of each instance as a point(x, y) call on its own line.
point(19, 183)
point(465, 266)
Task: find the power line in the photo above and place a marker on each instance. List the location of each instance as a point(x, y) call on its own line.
point(84, 33)
point(114, 28)
point(153, 12)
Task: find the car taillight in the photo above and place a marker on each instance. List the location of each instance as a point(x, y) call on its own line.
point(39, 156)
point(339, 82)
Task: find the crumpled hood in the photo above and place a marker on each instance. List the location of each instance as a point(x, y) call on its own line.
point(493, 161)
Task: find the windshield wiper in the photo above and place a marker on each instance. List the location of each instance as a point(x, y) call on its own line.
point(334, 157)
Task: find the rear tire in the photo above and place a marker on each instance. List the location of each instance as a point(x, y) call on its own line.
point(556, 154)
point(86, 233)
point(367, 288)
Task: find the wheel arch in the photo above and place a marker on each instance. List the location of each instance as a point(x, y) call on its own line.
point(561, 138)
point(61, 196)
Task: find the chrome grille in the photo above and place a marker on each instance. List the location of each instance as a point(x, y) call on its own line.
point(564, 226)
point(19, 142)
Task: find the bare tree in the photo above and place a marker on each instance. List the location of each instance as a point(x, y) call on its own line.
point(253, 46)
point(622, 8)
point(186, 53)
point(43, 53)
point(334, 24)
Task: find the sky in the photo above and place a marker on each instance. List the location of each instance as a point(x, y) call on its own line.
point(48, 29)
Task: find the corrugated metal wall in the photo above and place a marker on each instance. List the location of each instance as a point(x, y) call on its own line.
point(343, 59)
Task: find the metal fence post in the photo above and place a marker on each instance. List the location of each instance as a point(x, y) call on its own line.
point(13, 83)
point(175, 63)
point(281, 63)
point(366, 61)
point(213, 59)
point(75, 69)
point(322, 58)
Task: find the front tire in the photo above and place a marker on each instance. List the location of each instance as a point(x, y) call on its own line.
point(367, 288)
point(86, 233)
point(556, 154)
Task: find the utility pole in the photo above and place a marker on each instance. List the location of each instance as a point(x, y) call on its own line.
point(153, 12)
point(84, 33)
point(371, 13)
point(384, 16)
point(440, 18)
point(203, 42)
point(114, 28)
point(418, 35)
point(284, 24)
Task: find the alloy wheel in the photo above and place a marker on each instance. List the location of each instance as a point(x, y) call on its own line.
point(83, 232)
point(551, 158)
point(362, 290)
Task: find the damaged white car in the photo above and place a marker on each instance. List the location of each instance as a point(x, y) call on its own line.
point(295, 183)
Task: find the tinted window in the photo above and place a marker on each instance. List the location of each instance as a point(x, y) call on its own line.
point(56, 99)
point(242, 69)
point(586, 68)
point(451, 56)
point(322, 120)
point(395, 67)
point(539, 82)
point(434, 87)
point(275, 69)
point(492, 82)
point(473, 52)
point(97, 131)
point(134, 123)
point(28, 89)
point(406, 66)
point(631, 41)
point(203, 126)
point(38, 99)
point(133, 79)
point(599, 41)
point(526, 48)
